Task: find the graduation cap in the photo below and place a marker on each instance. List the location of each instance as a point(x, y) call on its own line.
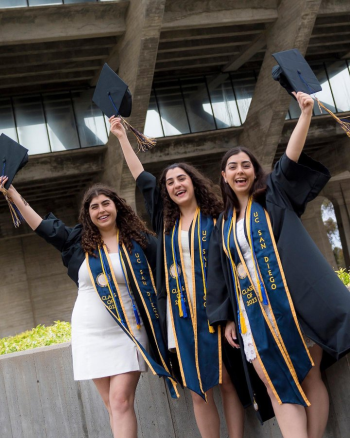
point(295, 74)
point(113, 97)
point(13, 157)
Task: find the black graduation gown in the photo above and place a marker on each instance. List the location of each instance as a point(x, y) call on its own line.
point(68, 241)
point(321, 300)
point(147, 184)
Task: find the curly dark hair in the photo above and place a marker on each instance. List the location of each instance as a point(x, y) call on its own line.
point(129, 224)
point(258, 189)
point(206, 192)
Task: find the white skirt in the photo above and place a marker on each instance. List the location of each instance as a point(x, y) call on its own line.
point(100, 348)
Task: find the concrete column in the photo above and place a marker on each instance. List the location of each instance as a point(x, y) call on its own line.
point(137, 57)
point(312, 220)
point(264, 124)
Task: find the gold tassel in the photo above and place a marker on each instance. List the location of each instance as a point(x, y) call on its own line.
point(345, 125)
point(243, 324)
point(180, 308)
point(138, 327)
point(211, 328)
point(17, 218)
point(144, 143)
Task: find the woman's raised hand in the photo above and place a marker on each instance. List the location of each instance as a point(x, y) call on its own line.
point(230, 334)
point(3, 181)
point(117, 127)
point(305, 101)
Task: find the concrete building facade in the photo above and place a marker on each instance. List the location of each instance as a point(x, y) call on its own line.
point(200, 75)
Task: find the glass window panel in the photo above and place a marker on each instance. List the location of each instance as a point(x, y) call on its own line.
point(294, 109)
point(12, 3)
point(153, 126)
point(44, 2)
point(32, 132)
point(339, 78)
point(7, 122)
point(325, 96)
point(243, 84)
point(287, 116)
point(60, 121)
point(171, 107)
point(90, 120)
point(223, 101)
point(197, 103)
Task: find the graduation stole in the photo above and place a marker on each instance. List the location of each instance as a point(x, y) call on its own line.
point(281, 349)
point(198, 346)
point(105, 284)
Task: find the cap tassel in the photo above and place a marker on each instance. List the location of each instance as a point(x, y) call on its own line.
point(17, 218)
point(144, 143)
point(345, 125)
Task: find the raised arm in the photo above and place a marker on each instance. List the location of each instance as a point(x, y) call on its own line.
point(297, 140)
point(31, 217)
point(132, 160)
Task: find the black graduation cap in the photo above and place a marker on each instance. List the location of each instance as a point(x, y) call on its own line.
point(13, 157)
point(112, 94)
point(294, 73)
point(113, 97)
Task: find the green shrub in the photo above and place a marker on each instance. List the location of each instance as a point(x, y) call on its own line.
point(344, 275)
point(39, 336)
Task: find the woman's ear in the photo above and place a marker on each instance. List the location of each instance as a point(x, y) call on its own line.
point(224, 176)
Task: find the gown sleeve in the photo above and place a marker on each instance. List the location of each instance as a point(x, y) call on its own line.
point(54, 231)
point(147, 184)
point(219, 306)
point(293, 184)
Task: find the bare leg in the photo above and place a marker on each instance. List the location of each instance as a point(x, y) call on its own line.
point(207, 416)
point(316, 392)
point(102, 386)
point(233, 409)
point(291, 418)
point(121, 399)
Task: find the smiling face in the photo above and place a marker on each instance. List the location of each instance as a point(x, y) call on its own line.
point(103, 212)
point(179, 186)
point(239, 173)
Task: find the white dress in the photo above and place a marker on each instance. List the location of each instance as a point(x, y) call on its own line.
point(247, 337)
point(100, 348)
point(188, 271)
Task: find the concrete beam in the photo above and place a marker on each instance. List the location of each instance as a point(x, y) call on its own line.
point(62, 22)
point(52, 79)
point(49, 69)
point(137, 53)
point(334, 7)
point(62, 165)
point(199, 44)
point(201, 144)
point(52, 58)
point(264, 124)
point(195, 63)
point(223, 31)
point(246, 53)
point(182, 14)
point(195, 54)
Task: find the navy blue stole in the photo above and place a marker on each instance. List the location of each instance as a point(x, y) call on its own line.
point(198, 346)
point(104, 281)
point(280, 348)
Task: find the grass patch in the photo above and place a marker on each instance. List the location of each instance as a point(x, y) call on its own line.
point(39, 336)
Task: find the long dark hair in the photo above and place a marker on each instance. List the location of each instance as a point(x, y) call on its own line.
point(258, 189)
point(206, 193)
point(129, 224)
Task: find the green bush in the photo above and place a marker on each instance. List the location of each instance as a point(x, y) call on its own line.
point(39, 336)
point(344, 275)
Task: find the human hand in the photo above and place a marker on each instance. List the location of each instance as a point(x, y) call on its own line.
point(230, 334)
point(117, 127)
point(305, 101)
